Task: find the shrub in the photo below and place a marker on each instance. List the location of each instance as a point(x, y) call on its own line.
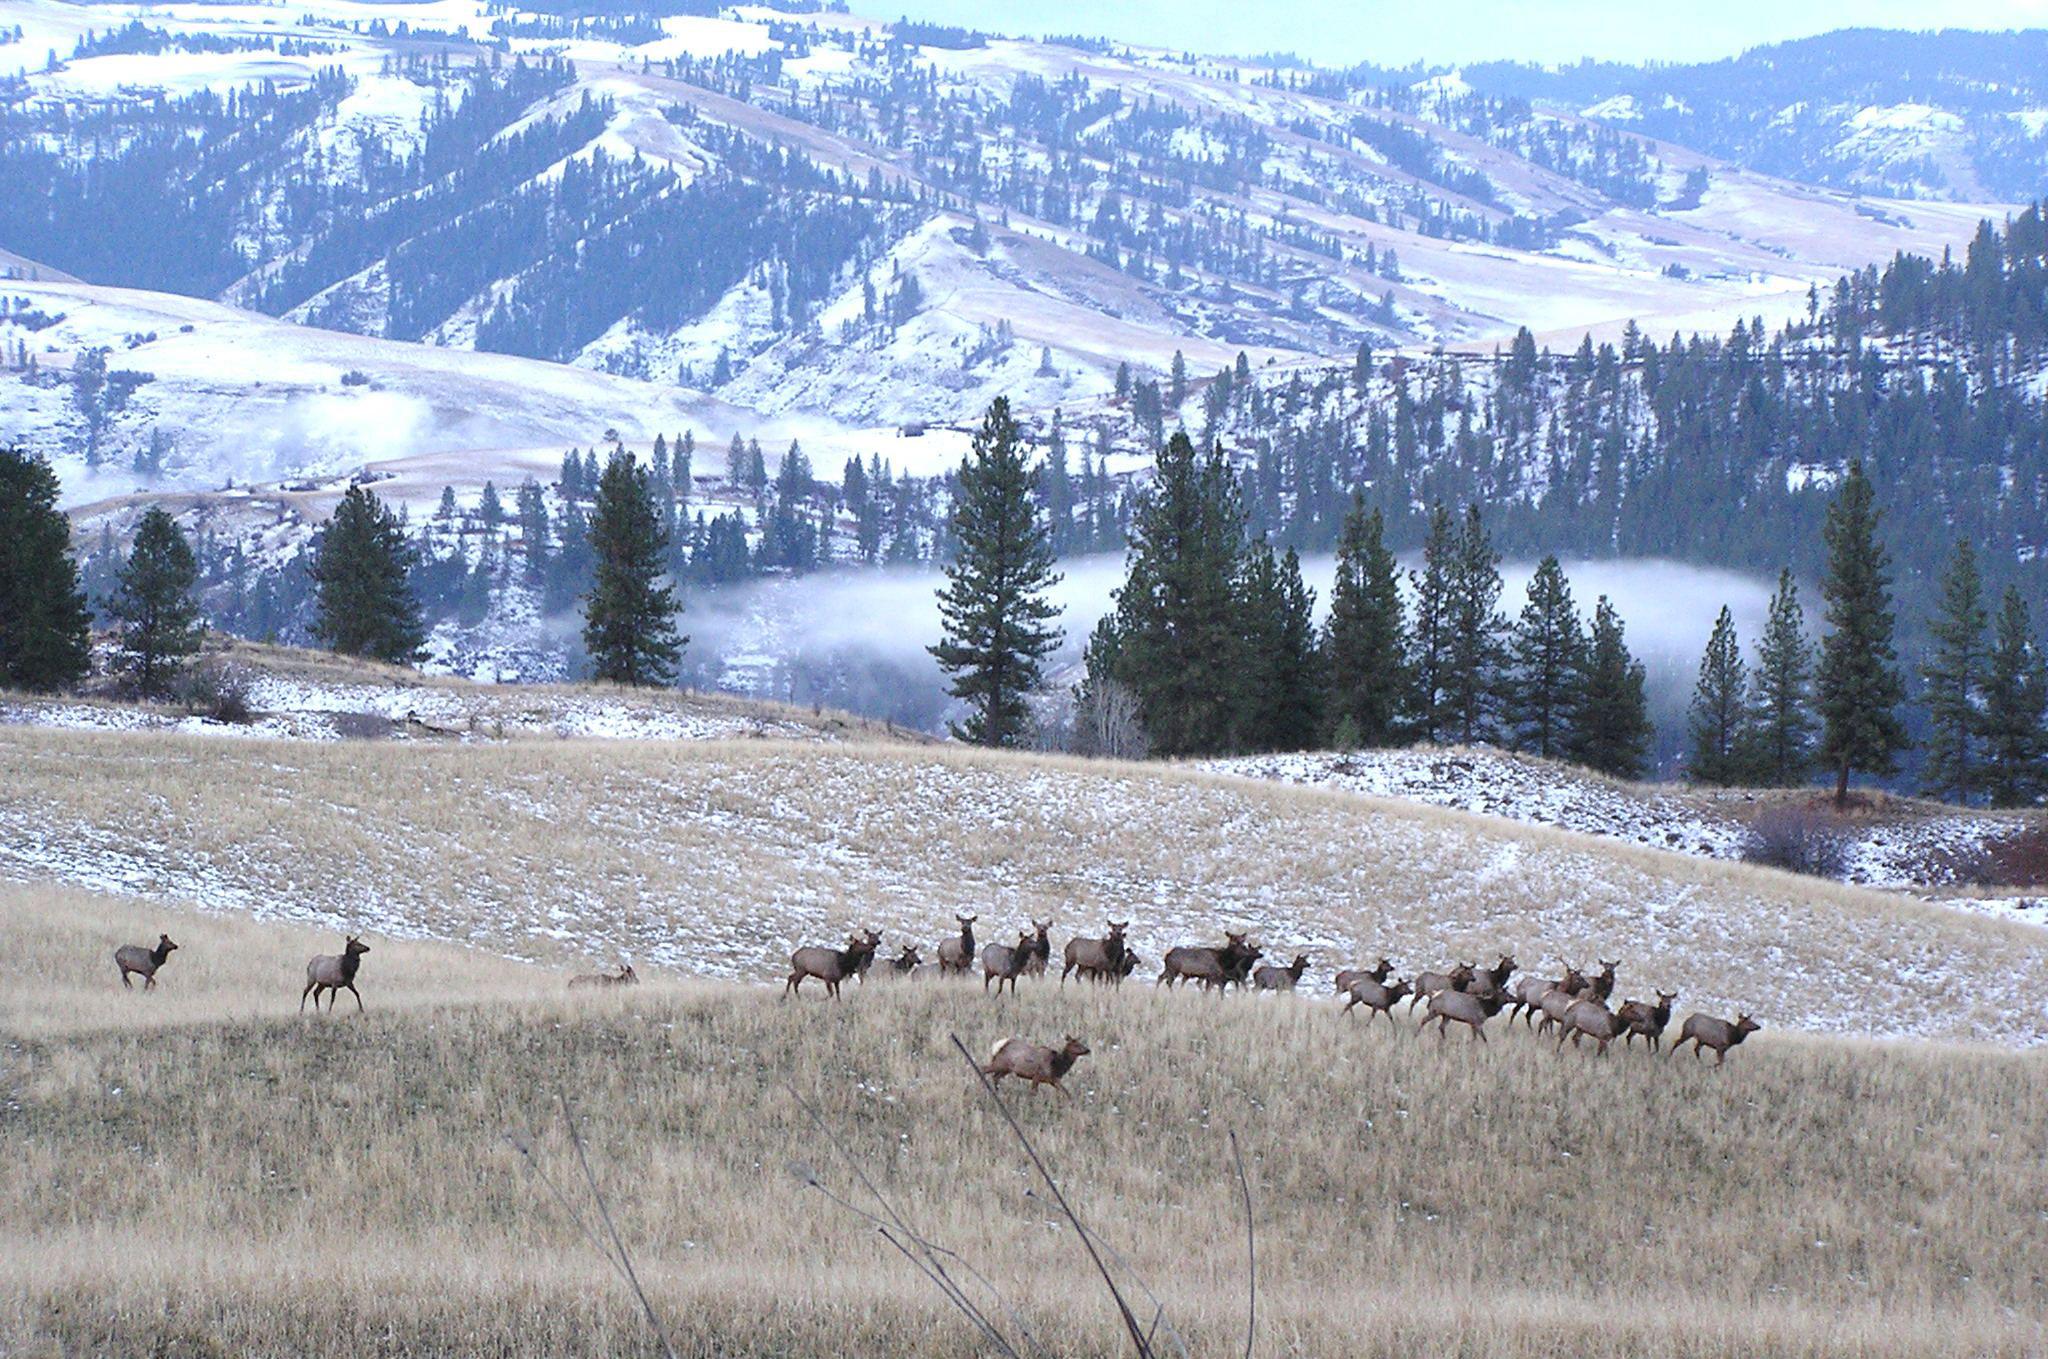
point(1799, 840)
point(218, 692)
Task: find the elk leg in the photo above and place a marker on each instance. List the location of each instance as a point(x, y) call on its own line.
point(358, 995)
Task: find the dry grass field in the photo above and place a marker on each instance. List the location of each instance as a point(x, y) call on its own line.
point(716, 858)
point(201, 1171)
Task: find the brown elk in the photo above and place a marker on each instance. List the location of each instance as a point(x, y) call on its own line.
point(1040, 951)
point(1097, 959)
point(1033, 1062)
point(1377, 997)
point(1601, 986)
point(1705, 1031)
point(957, 955)
point(1210, 967)
point(1527, 994)
point(1005, 963)
point(1588, 1018)
point(1131, 963)
point(1493, 980)
point(333, 973)
point(1377, 973)
point(1555, 1003)
point(1646, 1019)
point(143, 961)
point(830, 965)
point(625, 976)
point(1449, 1005)
point(904, 963)
point(1270, 978)
point(1428, 984)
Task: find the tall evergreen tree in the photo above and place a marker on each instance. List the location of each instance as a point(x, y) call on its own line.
point(1548, 648)
point(1780, 726)
point(2015, 710)
point(1472, 676)
point(1430, 640)
point(1718, 721)
point(1280, 696)
point(1860, 684)
point(1179, 651)
point(154, 604)
point(364, 602)
point(1364, 647)
point(629, 616)
point(1954, 675)
point(994, 608)
point(45, 629)
point(1611, 729)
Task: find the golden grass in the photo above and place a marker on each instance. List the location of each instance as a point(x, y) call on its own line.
point(191, 1173)
point(718, 858)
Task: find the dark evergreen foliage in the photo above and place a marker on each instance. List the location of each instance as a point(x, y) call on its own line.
point(1717, 725)
point(1954, 676)
point(154, 604)
point(45, 629)
point(1365, 644)
point(629, 614)
point(1611, 729)
point(2016, 710)
point(1859, 683)
point(1548, 648)
point(364, 600)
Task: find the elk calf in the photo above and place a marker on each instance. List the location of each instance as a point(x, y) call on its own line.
point(333, 973)
point(143, 961)
point(1033, 1062)
point(1005, 962)
point(1450, 1005)
point(1286, 978)
point(1039, 952)
point(1378, 973)
point(1428, 984)
point(904, 963)
point(1705, 1031)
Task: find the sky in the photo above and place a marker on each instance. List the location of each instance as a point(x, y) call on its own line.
point(1399, 32)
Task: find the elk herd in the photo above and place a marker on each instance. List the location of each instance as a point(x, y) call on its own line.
point(1574, 1007)
point(327, 974)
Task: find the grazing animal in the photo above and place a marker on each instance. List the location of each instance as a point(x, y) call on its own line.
point(625, 976)
point(1376, 996)
point(1587, 1018)
point(1210, 967)
point(1493, 980)
point(1131, 963)
point(1098, 959)
point(1705, 1031)
point(957, 955)
point(830, 965)
point(904, 963)
point(1646, 1019)
point(1005, 963)
point(1428, 984)
point(1033, 1062)
point(1602, 984)
point(1555, 1004)
point(334, 973)
point(1527, 994)
point(1449, 1005)
point(1377, 973)
point(143, 961)
point(1040, 951)
point(1270, 978)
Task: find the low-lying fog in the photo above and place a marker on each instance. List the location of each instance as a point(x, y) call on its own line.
point(857, 640)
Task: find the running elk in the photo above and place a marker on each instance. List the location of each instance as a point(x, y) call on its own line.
point(1588, 1018)
point(1646, 1019)
point(1040, 951)
point(625, 976)
point(143, 961)
point(830, 965)
point(1428, 984)
point(1376, 996)
point(1033, 1062)
point(1270, 978)
point(1098, 960)
point(1493, 980)
point(1527, 994)
point(1378, 973)
point(1449, 1005)
point(334, 973)
point(1705, 1031)
point(957, 955)
point(1004, 963)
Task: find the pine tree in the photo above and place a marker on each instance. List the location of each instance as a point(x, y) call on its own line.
point(1297, 719)
point(1177, 381)
point(994, 606)
point(45, 629)
point(365, 605)
point(629, 614)
point(1429, 643)
point(1780, 745)
point(2015, 710)
point(1364, 645)
point(1860, 684)
point(1718, 724)
point(533, 530)
point(490, 509)
point(1179, 652)
point(1472, 672)
point(1279, 698)
point(1548, 650)
point(1954, 675)
point(154, 604)
point(1611, 729)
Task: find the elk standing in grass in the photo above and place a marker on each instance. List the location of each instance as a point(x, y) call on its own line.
point(1033, 1062)
point(830, 965)
point(956, 955)
point(625, 976)
point(334, 973)
point(1378, 973)
point(143, 961)
point(1270, 978)
point(1005, 962)
point(1587, 1018)
point(1377, 997)
point(1210, 967)
point(1098, 959)
point(1449, 1005)
point(1527, 994)
point(1040, 951)
point(1646, 1019)
point(1428, 984)
point(1601, 986)
point(1494, 980)
point(1705, 1031)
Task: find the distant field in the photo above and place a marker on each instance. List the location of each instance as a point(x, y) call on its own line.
point(716, 858)
point(200, 1171)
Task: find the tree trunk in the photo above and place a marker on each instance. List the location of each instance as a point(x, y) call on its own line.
point(1842, 784)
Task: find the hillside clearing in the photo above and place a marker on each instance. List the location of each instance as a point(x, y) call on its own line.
point(259, 1183)
point(716, 859)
